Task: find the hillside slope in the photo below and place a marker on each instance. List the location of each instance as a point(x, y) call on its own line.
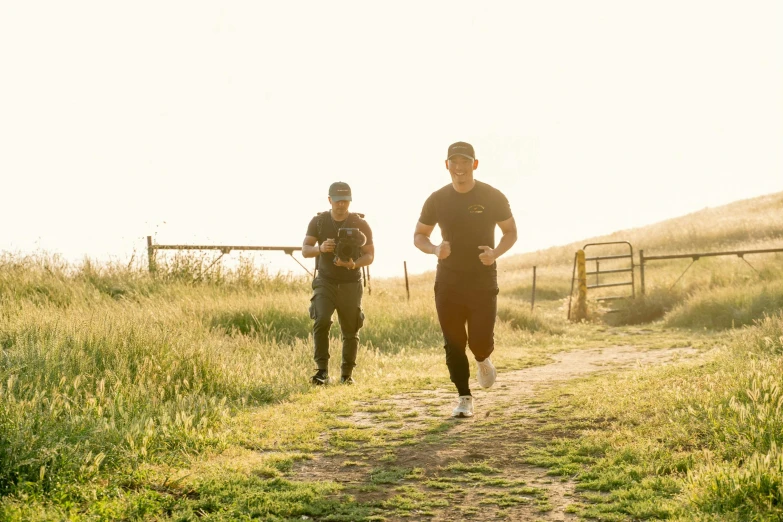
point(744, 224)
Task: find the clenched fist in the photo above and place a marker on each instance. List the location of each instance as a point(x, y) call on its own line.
point(443, 250)
point(487, 255)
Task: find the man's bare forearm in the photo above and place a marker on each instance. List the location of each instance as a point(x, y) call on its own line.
point(506, 242)
point(364, 260)
point(311, 251)
point(423, 243)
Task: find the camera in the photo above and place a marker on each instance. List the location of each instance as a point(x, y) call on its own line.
point(349, 244)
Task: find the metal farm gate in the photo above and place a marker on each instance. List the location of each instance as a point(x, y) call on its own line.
point(585, 278)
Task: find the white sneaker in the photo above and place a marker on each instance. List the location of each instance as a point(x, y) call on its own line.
point(464, 408)
point(486, 373)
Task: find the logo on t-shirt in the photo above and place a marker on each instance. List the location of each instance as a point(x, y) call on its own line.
point(476, 209)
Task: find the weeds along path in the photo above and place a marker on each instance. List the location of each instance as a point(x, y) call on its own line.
point(429, 466)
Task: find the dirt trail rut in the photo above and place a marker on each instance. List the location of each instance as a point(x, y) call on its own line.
point(467, 469)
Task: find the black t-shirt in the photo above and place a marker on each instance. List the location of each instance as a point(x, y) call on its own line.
point(467, 221)
point(323, 227)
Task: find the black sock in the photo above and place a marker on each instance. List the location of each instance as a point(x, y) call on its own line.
point(463, 389)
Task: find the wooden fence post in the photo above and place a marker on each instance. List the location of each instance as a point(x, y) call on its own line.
point(533, 296)
point(581, 301)
point(641, 268)
point(151, 255)
point(407, 288)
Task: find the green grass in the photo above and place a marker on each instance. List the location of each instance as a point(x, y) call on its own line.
point(692, 442)
point(105, 369)
point(185, 395)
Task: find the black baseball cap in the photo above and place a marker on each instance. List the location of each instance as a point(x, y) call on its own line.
point(461, 149)
point(340, 191)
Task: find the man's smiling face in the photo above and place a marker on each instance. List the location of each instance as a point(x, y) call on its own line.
point(461, 169)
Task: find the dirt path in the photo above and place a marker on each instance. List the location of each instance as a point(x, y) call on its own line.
point(465, 469)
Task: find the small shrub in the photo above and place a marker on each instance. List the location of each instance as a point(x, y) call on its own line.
point(644, 309)
point(521, 318)
point(390, 333)
point(268, 322)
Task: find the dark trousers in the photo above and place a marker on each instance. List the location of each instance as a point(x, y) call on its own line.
point(346, 298)
point(459, 308)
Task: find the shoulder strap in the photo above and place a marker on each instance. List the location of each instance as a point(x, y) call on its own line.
point(320, 221)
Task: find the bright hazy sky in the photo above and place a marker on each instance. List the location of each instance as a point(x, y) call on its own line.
point(225, 122)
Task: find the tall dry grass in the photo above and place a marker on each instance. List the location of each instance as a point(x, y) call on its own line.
point(747, 224)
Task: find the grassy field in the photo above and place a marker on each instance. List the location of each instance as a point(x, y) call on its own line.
point(185, 396)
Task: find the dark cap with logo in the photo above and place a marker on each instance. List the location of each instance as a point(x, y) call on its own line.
point(461, 149)
point(340, 191)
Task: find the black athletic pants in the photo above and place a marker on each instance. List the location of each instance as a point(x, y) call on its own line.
point(467, 318)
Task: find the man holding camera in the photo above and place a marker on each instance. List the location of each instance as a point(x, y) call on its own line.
point(466, 284)
point(342, 241)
